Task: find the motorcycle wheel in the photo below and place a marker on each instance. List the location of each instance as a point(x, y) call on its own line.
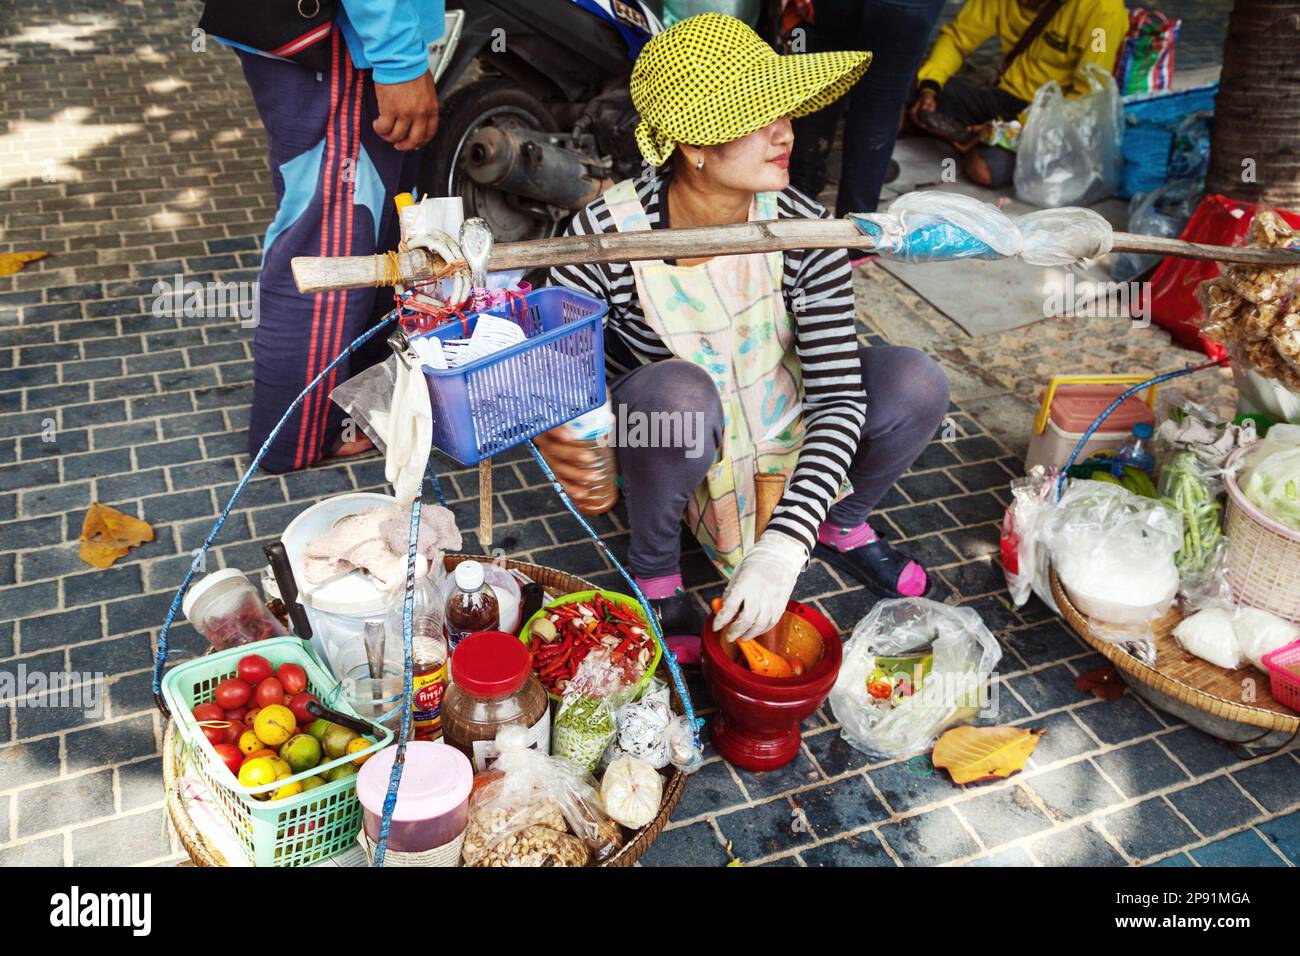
point(472, 107)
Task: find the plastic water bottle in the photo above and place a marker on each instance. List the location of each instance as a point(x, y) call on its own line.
point(580, 454)
point(1136, 451)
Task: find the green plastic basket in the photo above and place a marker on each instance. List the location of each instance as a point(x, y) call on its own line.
point(295, 831)
point(526, 634)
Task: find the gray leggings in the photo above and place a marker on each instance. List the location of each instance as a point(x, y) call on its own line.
point(907, 398)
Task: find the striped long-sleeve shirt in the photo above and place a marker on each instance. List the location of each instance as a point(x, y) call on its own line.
point(818, 292)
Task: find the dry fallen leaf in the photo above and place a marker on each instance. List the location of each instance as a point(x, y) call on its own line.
point(107, 534)
point(1104, 682)
point(984, 753)
point(11, 262)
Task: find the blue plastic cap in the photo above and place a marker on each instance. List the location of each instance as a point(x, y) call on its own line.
point(1143, 430)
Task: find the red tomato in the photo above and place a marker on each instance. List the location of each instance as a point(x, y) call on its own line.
point(236, 713)
point(231, 693)
point(215, 735)
point(209, 711)
point(293, 677)
point(230, 756)
point(298, 704)
point(269, 691)
point(251, 716)
point(254, 669)
point(233, 731)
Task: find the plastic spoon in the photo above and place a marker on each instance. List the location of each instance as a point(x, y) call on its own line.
point(476, 243)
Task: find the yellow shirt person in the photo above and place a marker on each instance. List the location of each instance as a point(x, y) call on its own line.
point(1082, 31)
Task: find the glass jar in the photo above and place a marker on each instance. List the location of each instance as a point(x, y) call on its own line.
point(493, 686)
point(226, 609)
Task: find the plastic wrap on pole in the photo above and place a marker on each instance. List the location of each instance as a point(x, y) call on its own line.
point(939, 226)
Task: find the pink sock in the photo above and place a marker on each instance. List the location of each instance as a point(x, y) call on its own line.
point(664, 586)
point(912, 582)
point(845, 539)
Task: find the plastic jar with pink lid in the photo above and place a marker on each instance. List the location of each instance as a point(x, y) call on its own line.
point(432, 808)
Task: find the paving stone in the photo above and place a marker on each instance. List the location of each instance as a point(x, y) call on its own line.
point(1284, 833)
point(124, 739)
point(1044, 643)
point(712, 789)
point(1214, 805)
point(1074, 790)
point(1199, 752)
point(763, 830)
point(1012, 856)
point(844, 805)
point(1140, 769)
point(911, 784)
point(862, 849)
point(1002, 815)
point(798, 772)
point(1274, 783)
point(1177, 860)
point(1147, 829)
point(64, 802)
point(47, 851)
point(1115, 721)
point(833, 754)
point(28, 762)
point(1048, 689)
point(929, 838)
point(1247, 848)
point(692, 845)
point(135, 838)
point(1078, 846)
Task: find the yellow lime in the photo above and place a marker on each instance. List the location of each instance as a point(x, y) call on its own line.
point(257, 772)
point(274, 725)
point(248, 743)
point(356, 746)
point(288, 790)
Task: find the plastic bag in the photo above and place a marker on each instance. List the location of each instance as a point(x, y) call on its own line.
point(367, 394)
point(1114, 554)
point(1192, 487)
point(1024, 558)
point(1165, 212)
point(585, 722)
point(912, 669)
point(1209, 635)
point(1069, 152)
point(1259, 633)
point(1060, 237)
point(1271, 478)
point(528, 789)
point(934, 226)
point(631, 792)
point(643, 728)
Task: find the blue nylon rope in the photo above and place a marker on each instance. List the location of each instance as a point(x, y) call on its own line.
point(1097, 423)
point(669, 657)
point(160, 658)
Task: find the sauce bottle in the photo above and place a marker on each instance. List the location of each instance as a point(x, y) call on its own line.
point(472, 606)
point(429, 653)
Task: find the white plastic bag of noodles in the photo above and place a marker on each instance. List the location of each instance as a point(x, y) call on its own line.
point(938, 661)
point(1069, 152)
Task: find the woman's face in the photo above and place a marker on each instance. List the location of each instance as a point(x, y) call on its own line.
point(759, 162)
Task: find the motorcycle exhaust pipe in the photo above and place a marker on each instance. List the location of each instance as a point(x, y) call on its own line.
point(528, 164)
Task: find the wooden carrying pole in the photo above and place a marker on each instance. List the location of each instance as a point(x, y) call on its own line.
point(359, 272)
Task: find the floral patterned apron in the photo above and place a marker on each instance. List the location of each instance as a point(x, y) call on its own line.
point(728, 316)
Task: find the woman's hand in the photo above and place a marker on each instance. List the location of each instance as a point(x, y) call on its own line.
point(761, 587)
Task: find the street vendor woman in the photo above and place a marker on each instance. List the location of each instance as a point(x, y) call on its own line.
point(763, 346)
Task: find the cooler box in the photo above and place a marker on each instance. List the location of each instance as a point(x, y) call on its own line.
point(1071, 403)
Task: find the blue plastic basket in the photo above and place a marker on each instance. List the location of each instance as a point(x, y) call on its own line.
point(1149, 122)
point(488, 406)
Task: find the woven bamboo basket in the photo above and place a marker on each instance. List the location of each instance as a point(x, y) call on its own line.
point(203, 853)
point(1263, 555)
point(1185, 677)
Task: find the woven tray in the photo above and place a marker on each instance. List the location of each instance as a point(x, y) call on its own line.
point(1186, 677)
point(202, 852)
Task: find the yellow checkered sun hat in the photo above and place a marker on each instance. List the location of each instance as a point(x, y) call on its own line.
point(710, 79)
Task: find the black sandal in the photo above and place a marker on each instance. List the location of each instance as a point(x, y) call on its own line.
point(877, 566)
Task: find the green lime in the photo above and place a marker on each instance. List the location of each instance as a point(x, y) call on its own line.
point(311, 783)
point(318, 728)
point(301, 752)
point(341, 771)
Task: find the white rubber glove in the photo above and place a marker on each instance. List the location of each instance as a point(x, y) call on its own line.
point(761, 587)
point(408, 434)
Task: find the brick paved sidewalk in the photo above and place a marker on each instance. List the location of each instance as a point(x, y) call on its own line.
point(129, 157)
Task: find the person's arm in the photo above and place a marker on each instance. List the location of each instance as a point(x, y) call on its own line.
point(1100, 40)
point(835, 405)
point(395, 47)
point(974, 23)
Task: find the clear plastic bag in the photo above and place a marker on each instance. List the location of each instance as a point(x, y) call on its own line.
point(1114, 554)
point(366, 395)
point(528, 789)
point(1271, 478)
point(1060, 237)
point(1024, 557)
point(643, 728)
point(934, 226)
point(912, 669)
point(1192, 487)
point(1069, 152)
point(586, 720)
point(1164, 211)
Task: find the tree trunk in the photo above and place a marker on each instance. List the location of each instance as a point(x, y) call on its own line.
point(1255, 149)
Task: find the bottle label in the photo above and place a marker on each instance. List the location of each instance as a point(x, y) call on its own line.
point(427, 691)
point(539, 736)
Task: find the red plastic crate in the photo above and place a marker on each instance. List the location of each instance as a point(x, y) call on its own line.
point(1284, 675)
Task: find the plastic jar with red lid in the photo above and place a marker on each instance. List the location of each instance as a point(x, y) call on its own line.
point(493, 686)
